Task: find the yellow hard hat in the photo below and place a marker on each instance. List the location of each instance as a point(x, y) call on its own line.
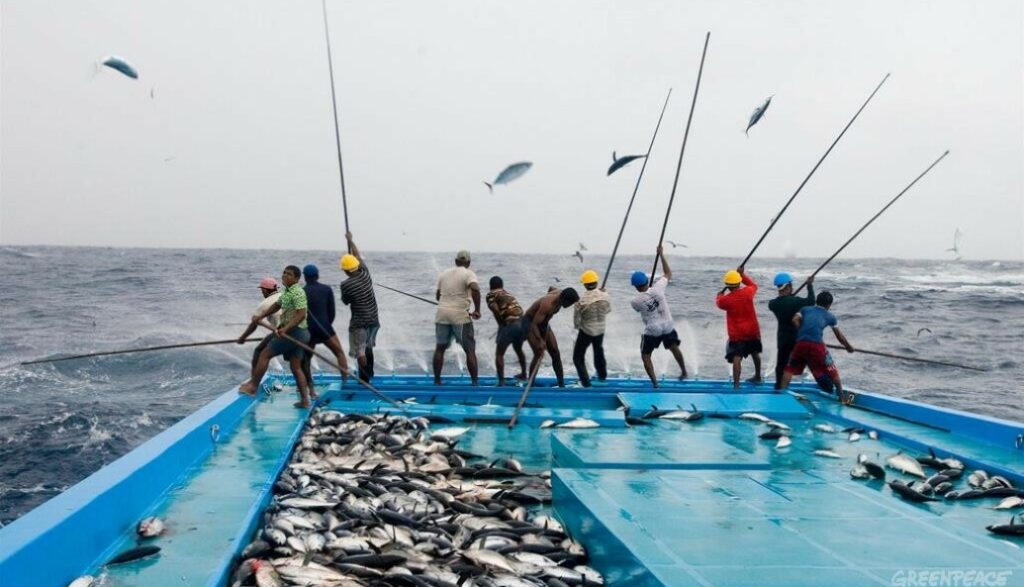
point(589, 276)
point(732, 277)
point(349, 263)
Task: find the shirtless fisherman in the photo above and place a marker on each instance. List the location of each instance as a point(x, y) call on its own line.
point(539, 335)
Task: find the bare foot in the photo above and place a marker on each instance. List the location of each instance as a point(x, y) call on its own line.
point(681, 377)
point(301, 404)
point(248, 388)
point(312, 393)
point(521, 376)
point(437, 381)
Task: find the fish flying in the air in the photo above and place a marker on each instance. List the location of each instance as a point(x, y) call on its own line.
point(510, 173)
point(620, 162)
point(758, 114)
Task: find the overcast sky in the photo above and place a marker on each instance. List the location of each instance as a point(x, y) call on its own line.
point(236, 146)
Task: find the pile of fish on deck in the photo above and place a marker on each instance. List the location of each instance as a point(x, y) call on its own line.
point(383, 500)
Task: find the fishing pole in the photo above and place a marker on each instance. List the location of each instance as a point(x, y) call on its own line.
point(330, 361)
point(679, 165)
point(814, 169)
point(636, 188)
point(337, 133)
point(873, 218)
point(413, 296)
point(526, 391)
point(906, 358)
point(141, 350)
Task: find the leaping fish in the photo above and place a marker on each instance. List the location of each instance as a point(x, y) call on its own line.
point(758, 114)
point(509, 174)
point(119, 64)
point(620, 162)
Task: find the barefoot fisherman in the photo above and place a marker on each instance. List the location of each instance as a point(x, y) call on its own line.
point(292, 305)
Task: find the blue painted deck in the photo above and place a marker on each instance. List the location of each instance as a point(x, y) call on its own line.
point(676, 503)
point(733, 529)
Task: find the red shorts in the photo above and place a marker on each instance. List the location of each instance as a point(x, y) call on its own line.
point(814, 356)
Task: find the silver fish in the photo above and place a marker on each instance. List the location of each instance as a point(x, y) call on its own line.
point(905, 464)
point(580, 423)
point(854, 437)
point(510, 173)
point(831, 454)
point(826, 428)
point(83, 581)
point(783, 442)
point(758, 114)
point(754, 416)
point(1010, 503)
point(547, 424)
point(150, 527)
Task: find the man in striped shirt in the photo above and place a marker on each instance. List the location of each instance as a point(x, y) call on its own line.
point(357, 292)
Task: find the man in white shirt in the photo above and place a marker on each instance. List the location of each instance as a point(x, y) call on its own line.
point(455, 288)
point(658, 326)
point(268, 287)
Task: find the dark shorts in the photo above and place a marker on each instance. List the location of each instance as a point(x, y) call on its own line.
point(321, 336)
point(360, 339)
point(648, 343)
point(741, 348)
point(287, 348)
point(461, 333)
point(814, 356)
point(511, 334)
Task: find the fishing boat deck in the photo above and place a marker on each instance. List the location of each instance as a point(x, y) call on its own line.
point(674, 503)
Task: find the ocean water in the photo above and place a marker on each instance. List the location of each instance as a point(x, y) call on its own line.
point(60, 422)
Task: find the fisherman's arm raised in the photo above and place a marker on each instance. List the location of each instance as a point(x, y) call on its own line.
point(666, 272)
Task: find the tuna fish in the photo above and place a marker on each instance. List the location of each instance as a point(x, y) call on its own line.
point(758, 114)
point(783, 442)
point(827, 453)
point(1010, 503)
point(509, 174)
point(150, 527)
point(120, 65)
point(1014, 528)
point(909, 493)
point(620, 162)
point(580, 423)
point(905, 464)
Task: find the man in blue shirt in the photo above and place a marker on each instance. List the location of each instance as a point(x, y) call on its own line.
point(810, 350)
point(320, 298)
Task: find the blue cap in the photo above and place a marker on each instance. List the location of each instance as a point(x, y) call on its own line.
point(782, 279)
point(638, 278)
point(311, 271)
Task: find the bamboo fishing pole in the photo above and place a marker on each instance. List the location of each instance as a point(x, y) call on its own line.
point(906, 358)
point(141, 350)
point(526, 391)
point(873, 218)
point(330, 361)
point(682, 150)
point(337, 132)
point(813, 170)
point(413, 296)
point(636, 188)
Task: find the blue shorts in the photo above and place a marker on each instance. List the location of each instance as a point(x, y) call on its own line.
point(288, 349)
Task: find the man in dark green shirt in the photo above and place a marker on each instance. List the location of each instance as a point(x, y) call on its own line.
point(785, 307)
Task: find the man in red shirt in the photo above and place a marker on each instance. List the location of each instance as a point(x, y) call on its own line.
point(737, 299)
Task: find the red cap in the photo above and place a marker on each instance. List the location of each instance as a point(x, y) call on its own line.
point(268, 283)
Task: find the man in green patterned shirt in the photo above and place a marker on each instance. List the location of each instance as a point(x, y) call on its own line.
point(292, 322)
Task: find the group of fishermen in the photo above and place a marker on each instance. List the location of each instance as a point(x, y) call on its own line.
point(305, 315)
